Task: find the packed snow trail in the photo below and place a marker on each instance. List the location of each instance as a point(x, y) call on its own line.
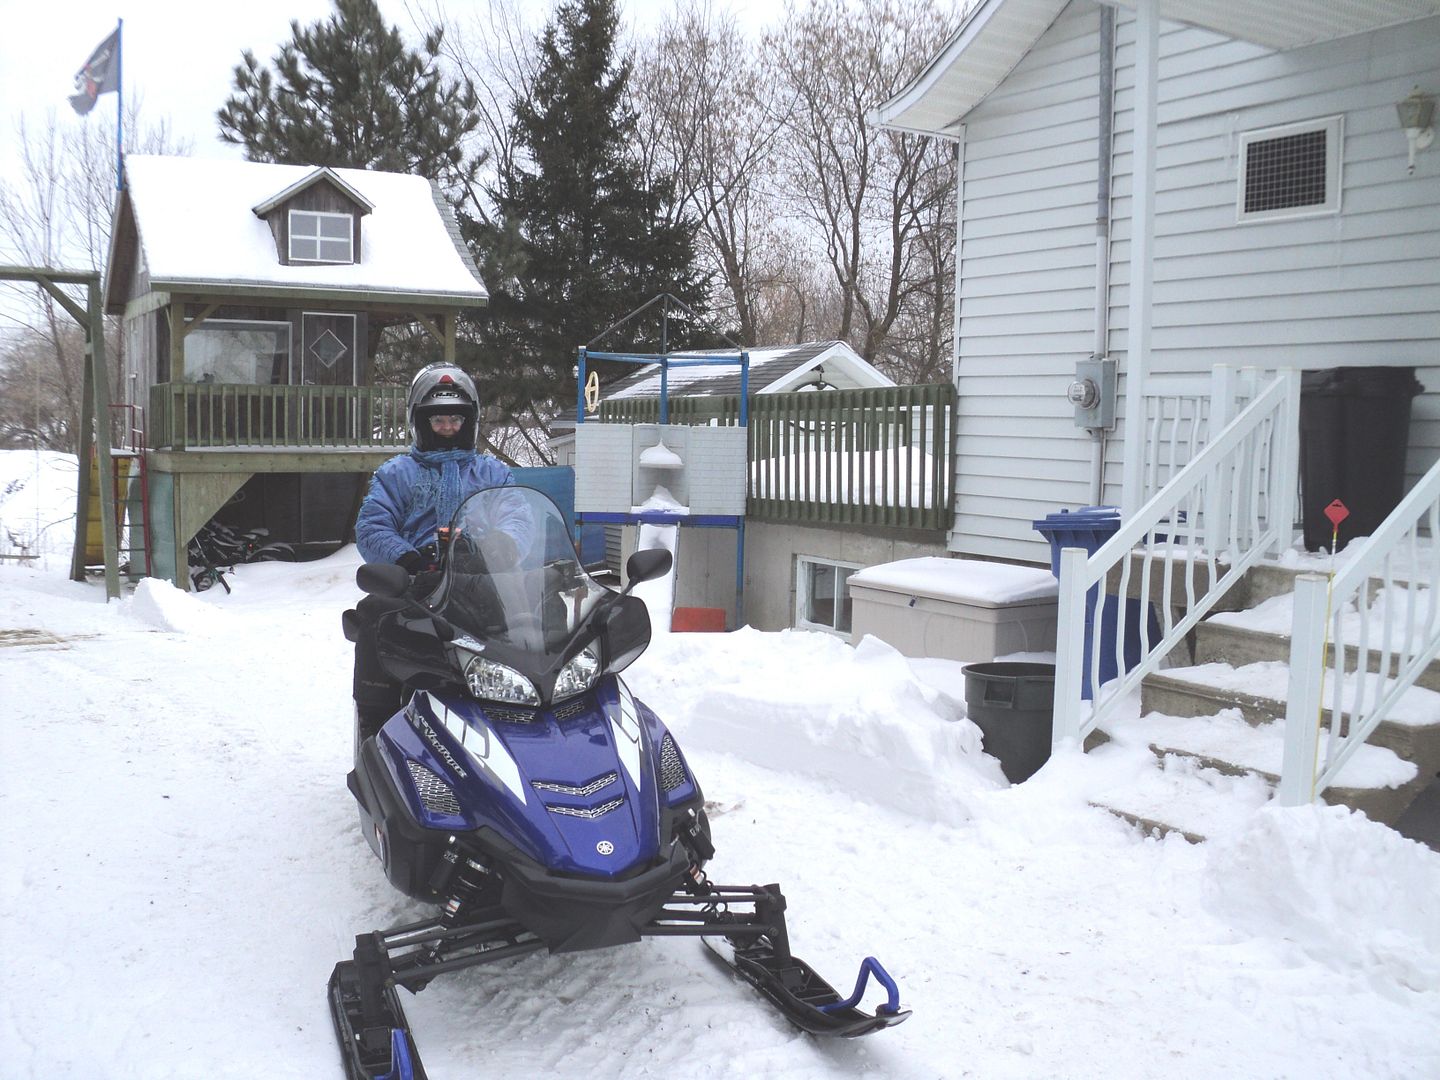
point(180, 868)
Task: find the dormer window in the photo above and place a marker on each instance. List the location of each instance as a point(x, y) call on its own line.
point(316, 236)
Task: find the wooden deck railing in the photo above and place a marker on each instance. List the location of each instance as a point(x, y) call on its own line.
point(880, 457)
point(187, 416)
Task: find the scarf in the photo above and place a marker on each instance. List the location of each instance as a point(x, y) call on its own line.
point(438, 485)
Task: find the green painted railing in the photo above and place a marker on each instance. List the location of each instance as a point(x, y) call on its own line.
point(187, 416)
point(882, 457)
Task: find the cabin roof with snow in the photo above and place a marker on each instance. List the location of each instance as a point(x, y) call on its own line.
point(830, 364)
point(261, 229)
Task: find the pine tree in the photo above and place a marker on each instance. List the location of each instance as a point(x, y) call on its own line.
point(579, 239)
point(347, 92)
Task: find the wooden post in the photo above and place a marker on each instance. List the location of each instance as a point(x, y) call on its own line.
point(100, 385)
point(82, 481)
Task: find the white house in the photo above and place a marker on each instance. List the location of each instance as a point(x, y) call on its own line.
point(1173, 185)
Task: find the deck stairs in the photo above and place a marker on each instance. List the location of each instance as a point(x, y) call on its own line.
point(1214, 722)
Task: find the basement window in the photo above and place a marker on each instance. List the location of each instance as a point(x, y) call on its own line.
point(1290, 171)
point(822, 594)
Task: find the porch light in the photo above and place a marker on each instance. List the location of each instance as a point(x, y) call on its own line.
point(1416, 116)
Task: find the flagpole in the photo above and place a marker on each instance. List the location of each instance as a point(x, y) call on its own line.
point(119, 106)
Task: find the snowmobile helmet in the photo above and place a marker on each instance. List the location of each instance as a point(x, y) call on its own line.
point(442, 389)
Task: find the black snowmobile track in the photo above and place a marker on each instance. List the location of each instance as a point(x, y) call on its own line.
point(792, 986)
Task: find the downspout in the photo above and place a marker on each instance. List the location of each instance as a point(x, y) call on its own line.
point(1104, 154)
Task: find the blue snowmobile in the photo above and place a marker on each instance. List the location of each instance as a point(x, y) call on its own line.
point(525, 791)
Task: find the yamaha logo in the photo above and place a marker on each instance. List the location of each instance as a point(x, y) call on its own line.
point(605, 847)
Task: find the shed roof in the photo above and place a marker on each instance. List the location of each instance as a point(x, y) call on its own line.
point(998, 33)
point(195, 226)
point(772, 370)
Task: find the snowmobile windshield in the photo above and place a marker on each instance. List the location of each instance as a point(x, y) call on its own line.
point(513, 585)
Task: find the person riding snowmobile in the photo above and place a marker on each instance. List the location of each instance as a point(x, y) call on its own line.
point(411, 497)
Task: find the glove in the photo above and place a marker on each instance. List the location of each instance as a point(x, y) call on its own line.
point(424, 583)
point(417, 562)
point(500, 551)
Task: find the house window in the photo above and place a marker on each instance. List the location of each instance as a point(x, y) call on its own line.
point(1290, 171)
point(238, 351)
point(822, 594)
point(321, 237)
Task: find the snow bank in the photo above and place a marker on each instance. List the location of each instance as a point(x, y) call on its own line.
point(161, 605)
point(858, 719)
point(1281, 877)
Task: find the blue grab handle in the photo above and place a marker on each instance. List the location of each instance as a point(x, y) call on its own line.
point(402, 1066)
point(869, 967)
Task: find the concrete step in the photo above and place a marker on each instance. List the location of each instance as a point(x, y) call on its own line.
point(1263, 634)
point(1376, 780)
point(1182, 796)
point(1258, 691)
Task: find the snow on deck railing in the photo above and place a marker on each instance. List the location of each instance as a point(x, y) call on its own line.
point(1384, 630)
point(1192, 541)
point(219, 415)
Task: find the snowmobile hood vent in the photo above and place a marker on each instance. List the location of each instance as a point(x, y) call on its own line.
point(509, 716)
point(576, 789)
point(590, 813)
point(672, 769)
point(435, 795)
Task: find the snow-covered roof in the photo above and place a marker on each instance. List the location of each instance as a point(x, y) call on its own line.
point(997, 34)
point(316, 175)
point(196, 225)
point(772, 370)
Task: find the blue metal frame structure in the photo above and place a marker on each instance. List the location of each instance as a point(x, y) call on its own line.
point(662, 517)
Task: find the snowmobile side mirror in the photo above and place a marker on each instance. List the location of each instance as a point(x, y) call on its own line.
point(382, 579)
point(647, 566)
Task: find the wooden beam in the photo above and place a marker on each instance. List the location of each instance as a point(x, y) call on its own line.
point(82, 485)
point(284, 296)
point(100, 381)
point(430, 328)
point(270, 461)
point(450, 320)
point(152, 301)
point(76, 311)
point(177, 338)
point(60, 277)
point(194, 323)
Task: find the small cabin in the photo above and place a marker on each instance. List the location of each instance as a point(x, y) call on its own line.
point(253, 298)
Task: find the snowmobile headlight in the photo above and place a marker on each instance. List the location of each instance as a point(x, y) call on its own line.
point(498, 682)
point(579, 674)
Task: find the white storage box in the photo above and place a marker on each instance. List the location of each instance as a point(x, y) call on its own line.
point(955, 609)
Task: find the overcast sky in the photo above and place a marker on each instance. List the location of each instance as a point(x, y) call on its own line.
point(178, 54)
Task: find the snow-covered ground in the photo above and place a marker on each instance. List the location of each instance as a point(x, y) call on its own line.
point(180, 868)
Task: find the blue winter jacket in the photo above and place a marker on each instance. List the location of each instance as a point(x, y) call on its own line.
point(391, 523)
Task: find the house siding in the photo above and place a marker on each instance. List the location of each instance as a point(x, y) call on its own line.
point(1355, 288)
point(1026, 292)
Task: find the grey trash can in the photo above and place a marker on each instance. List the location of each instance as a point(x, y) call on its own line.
point(1013, 704)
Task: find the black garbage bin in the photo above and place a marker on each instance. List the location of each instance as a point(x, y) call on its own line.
point(1354, 432)
point(1013, 704)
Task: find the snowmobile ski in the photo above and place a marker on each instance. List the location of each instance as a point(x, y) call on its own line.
point(802, 996)
point(370, 1024)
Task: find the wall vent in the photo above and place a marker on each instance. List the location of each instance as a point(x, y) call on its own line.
point(1290, 171)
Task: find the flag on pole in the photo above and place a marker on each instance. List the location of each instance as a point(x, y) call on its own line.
point(100, 75)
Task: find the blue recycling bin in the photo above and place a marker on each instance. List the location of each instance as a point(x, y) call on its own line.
point(1089, 528)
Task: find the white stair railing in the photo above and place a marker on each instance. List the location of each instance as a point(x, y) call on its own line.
point(1219, 515)
point(1384, 629)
